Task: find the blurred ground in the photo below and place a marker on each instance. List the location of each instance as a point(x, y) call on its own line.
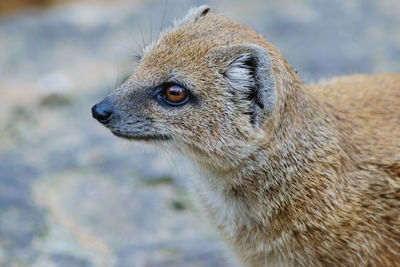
point(11, 7)
point(71, 194)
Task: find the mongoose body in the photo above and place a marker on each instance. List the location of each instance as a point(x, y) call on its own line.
point(293, 174)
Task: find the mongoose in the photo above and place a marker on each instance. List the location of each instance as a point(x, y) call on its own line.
point(293, 174)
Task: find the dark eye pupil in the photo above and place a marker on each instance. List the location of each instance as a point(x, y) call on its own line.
point(175, 94)
point(176, 90)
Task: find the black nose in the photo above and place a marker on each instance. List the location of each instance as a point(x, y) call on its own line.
point(102, 111)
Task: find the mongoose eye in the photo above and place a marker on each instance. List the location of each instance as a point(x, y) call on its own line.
point(175, 95)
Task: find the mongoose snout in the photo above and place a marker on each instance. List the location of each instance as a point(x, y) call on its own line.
point(102, 111)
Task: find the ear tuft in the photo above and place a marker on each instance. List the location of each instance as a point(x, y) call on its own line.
point(193, 15)
point(247, 69)
point(240, 72)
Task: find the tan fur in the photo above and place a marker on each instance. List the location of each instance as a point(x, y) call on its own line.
point(316, 183)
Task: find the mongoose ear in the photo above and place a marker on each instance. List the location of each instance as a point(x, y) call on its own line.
point(247, 70)
point(193, 15)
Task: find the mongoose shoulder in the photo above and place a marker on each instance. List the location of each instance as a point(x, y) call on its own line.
point(294, 174)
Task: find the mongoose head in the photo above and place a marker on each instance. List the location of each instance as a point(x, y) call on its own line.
point(206, 88)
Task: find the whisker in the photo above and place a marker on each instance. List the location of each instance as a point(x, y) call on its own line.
point(142, 36)
point(163, 18)
point(118, 76)
point(138, 46)
point(151, 28)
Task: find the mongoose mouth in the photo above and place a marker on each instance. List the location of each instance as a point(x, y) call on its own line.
point(155, 137)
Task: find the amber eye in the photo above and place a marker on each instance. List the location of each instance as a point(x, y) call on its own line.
point(175, 94)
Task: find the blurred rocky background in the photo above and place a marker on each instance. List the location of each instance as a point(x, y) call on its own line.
point(71, 194)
